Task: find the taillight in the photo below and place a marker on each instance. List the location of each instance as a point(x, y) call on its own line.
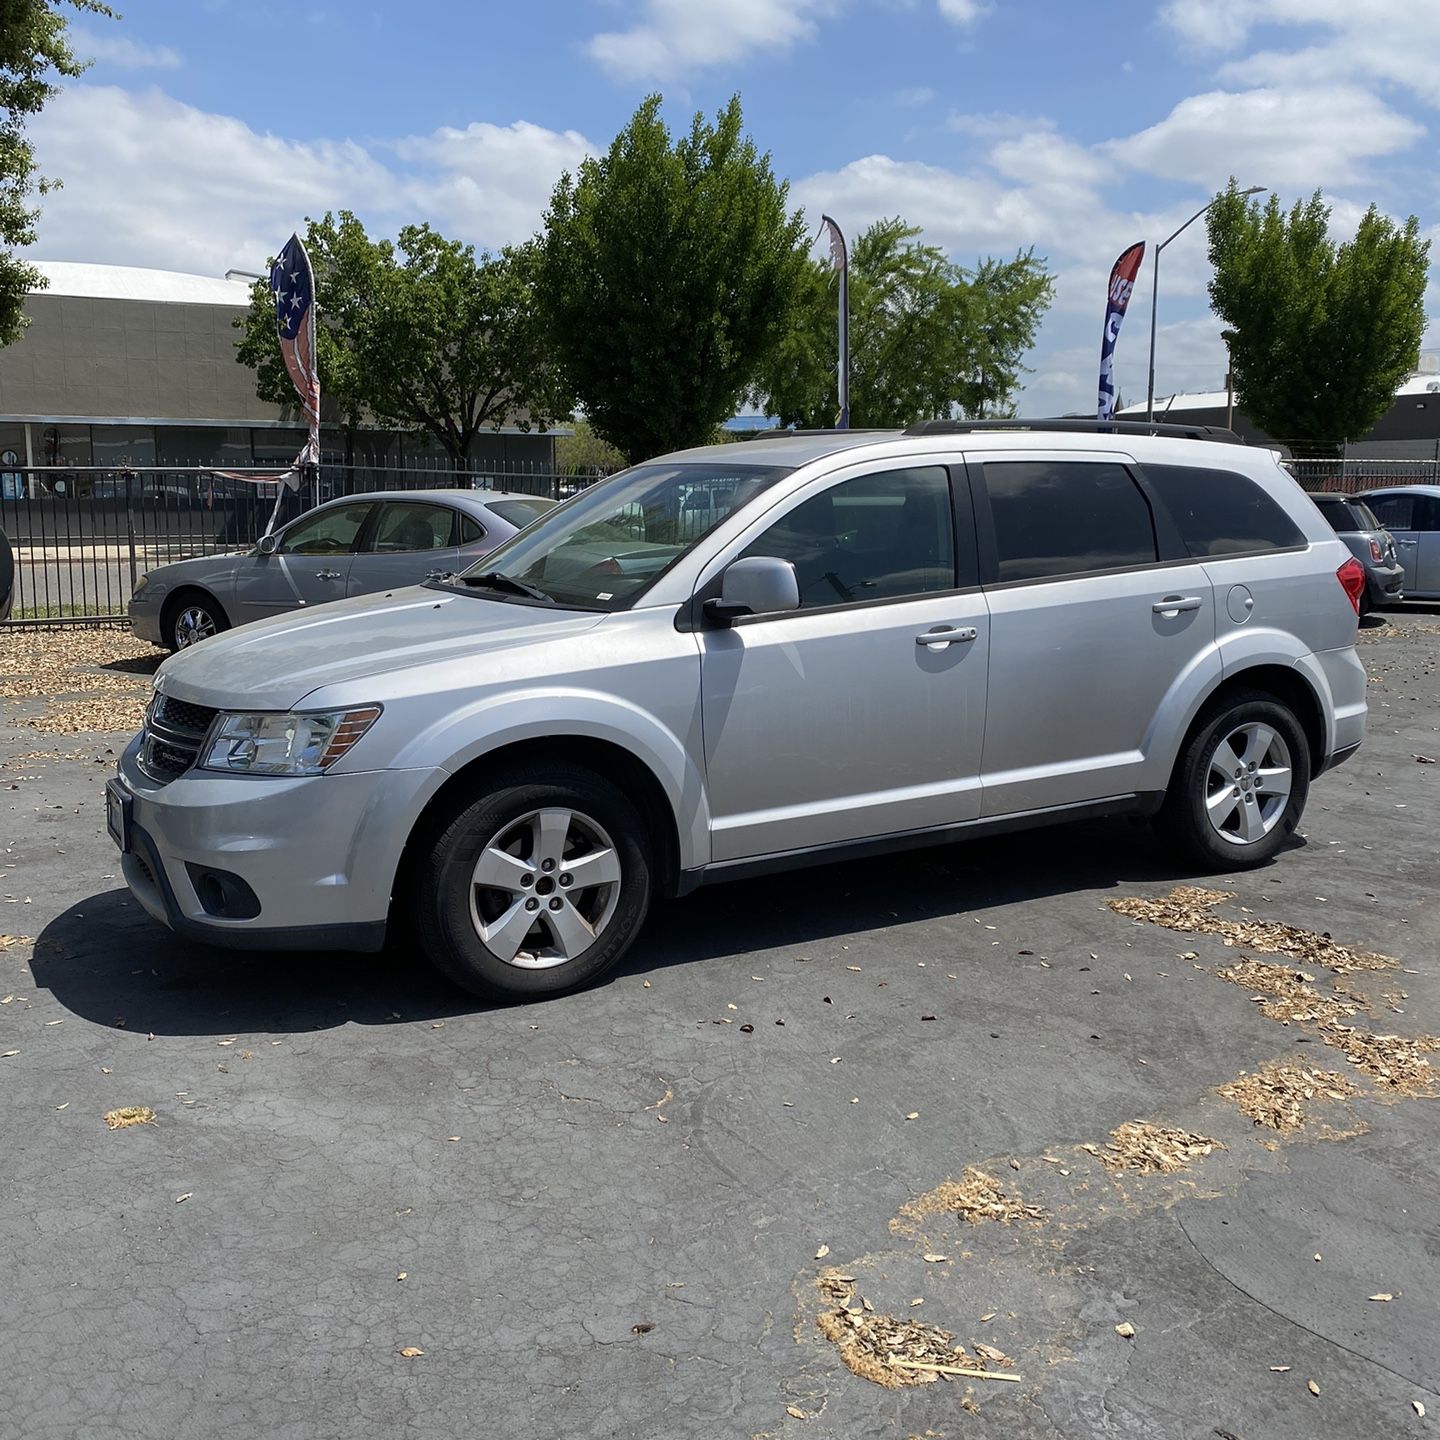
point(1376, 553)
point(1351, 576)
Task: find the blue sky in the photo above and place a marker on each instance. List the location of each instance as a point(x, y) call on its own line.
point(208, 129)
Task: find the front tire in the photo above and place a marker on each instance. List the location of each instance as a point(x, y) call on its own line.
point(535, 886)
point(189, 618)
point(1240, 783)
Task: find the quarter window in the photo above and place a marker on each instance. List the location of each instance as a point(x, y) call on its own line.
point(1063, 517)
point(328, 532)
point(1219, 512)
point(873, 538)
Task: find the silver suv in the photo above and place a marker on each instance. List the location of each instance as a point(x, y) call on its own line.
point(748, 657)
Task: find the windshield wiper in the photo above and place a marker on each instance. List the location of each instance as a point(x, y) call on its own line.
point(496, 581)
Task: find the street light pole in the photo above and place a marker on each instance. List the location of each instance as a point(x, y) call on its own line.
point(1155, 291)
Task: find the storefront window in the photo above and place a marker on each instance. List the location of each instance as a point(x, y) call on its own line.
point(203, 445)
point(122, 445)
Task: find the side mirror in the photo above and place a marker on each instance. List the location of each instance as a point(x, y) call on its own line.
point(267, 544)
point(756, 585)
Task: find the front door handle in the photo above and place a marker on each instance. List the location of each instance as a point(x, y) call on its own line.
point(1175, 604)
point(328, 575)
point(1408, 544)
point(943, 635)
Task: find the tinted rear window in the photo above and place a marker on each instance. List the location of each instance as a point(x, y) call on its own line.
point(520, 512)
point(1337, 514)
point(1219, 512)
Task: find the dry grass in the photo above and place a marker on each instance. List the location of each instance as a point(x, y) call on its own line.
point(1152, 1149)
point(1284, 993)
point(110, 715)
point(871, 1344)
point(1191, 911)
point(129, 1115)
point(976, 1196)
point(1277, 1095)
point(1394, 1061)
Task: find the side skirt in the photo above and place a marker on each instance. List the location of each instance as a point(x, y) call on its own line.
point(1137, 803)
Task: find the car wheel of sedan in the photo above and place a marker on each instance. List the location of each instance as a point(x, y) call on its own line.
point(191, 618)
point(1240, 784)
point(537, 885)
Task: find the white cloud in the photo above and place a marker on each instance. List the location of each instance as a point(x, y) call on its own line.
point(677, 37)
point(914, 98)
point(151, 181)
point(963, 12)
point(1386, 42)
point(1299, 138)
point(492, 182)
point(106, 47)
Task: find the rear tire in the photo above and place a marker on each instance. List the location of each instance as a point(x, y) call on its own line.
point(190, 617)
point(1240, 783)
point(536, 885)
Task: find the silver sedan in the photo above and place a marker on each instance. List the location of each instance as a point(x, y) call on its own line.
point(352, 546)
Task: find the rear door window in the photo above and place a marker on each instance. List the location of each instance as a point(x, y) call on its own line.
point(1067, 517)
point(1220, 512)
point(408, 526)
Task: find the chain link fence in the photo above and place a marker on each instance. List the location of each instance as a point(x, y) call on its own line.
point(1350, 477)
point(81, 537)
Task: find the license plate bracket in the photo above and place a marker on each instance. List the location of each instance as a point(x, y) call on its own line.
point(117, 815)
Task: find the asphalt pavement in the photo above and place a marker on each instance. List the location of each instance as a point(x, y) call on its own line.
point(368, 1205)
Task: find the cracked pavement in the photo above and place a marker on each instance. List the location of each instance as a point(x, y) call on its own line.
point(606, 1209)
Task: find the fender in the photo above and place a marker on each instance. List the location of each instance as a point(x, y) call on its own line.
point(492, 722)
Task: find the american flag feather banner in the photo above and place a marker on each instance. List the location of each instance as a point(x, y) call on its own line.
point(292, 286)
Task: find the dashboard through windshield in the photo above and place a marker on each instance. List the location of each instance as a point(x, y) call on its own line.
point(606, 547)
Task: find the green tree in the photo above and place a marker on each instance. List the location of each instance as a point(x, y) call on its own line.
point(419, 334)
point(927, 337)
point(583, 452)
point(668, 274)
point(1323, 333)
point(34, 48)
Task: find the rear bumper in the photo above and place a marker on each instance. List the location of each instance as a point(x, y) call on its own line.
point(1386, 583)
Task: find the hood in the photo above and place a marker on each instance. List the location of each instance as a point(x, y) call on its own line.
point(274, 664)
point(197, 567)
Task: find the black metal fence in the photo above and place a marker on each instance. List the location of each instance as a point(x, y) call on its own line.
point(1350, 477)
point(82, 537)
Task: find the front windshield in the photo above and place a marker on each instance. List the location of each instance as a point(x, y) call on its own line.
point(602, 549)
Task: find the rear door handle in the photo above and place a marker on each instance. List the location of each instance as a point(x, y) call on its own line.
point(947, 635)
point(1408, 544)
point(1175, 604)
point(328, 575)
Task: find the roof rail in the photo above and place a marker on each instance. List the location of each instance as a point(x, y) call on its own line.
point(780, 432)
point(1080, 427)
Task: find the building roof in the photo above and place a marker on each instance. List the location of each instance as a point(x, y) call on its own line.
point(128, 282)
point(1424, 382)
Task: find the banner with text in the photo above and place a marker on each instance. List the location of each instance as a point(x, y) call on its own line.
point(1122, 285)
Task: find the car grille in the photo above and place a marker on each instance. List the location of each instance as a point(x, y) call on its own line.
point(174, 731)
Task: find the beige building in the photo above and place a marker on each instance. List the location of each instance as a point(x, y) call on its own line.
point(128, 366)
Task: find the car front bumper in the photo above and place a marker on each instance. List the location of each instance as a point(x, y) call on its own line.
point(144, 611)
point(264, 862)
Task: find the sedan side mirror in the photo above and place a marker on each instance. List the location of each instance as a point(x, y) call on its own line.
point(756, 585)
point(267, 544)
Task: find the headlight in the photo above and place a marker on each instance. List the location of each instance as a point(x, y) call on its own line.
point(303, 744)
point(140, 584)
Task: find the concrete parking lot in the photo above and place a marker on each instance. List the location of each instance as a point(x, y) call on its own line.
point(709, 1197)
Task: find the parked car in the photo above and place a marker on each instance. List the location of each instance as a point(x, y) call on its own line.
point(1411, 513)
point(352, 546)
point(881, 640)
point(1370, 543)
point(7, 577)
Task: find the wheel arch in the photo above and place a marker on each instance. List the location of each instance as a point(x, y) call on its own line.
point(182, 593)
point(607, 759)
point(1288, 684)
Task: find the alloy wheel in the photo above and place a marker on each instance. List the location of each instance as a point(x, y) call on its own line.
point(1249, 783)
point(544, 888)
point(193, 624)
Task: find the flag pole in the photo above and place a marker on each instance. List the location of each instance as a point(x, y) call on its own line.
point(840, 256)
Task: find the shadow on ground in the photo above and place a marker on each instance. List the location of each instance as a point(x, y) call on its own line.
point(105, 960)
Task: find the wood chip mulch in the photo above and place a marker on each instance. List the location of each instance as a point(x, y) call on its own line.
point(1396, 1062)
point(1152, 1149)
point(976, 1196)
point(1278, 1094)
point(1191, 911)
point(1284, 993)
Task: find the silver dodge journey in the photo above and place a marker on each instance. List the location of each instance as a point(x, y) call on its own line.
point(746, 657)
